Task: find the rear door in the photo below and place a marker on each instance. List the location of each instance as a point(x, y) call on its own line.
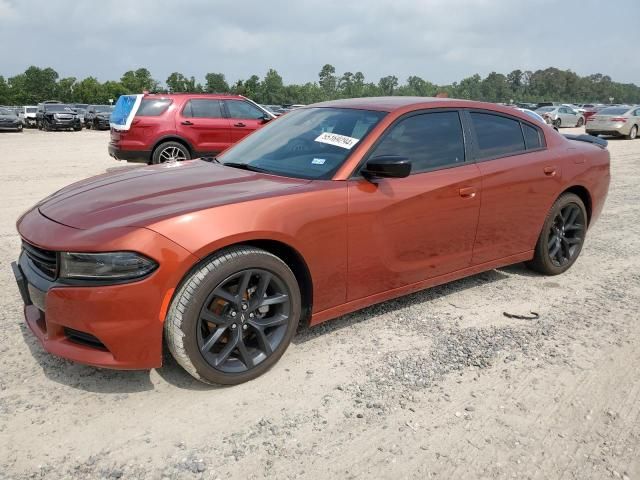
point(405, 230)
point(244, 118)
point(519, 181)
point(203, 123)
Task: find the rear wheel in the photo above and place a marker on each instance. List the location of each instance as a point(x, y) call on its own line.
point(562, 236)
point(170, 152)
point(557, 123)
point(633, 133)
point(234, 316)
point(580, 122)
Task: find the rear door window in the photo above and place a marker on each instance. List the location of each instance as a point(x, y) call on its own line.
point(153, 107)
point(202, 108)
point(496, 136)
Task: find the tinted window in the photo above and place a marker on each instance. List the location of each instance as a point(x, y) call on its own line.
point(203, 108)
point(614, 111)
point(496, 135)
point(531, 137)
point(429, 141)
point(152, 107)
point(240, 109)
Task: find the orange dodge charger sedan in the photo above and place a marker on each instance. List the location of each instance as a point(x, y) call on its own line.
point(324, 211)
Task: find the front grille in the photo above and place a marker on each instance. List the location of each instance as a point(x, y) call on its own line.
point(83, 338)
point(45, 261)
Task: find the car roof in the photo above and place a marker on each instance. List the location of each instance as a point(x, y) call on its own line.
point(387, 104)
point(193, 95)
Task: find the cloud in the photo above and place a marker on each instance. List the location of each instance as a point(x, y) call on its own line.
point(440, 40)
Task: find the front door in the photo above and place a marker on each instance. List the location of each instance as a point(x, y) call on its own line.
point(405, 230)
point(244, 118)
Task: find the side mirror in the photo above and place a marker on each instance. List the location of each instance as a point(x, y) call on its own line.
point(387, 166)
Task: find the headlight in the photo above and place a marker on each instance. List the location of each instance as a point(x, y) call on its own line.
point(105, 266)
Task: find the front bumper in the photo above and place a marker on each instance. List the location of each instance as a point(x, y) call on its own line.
point(123, 322)
point(60, 124)
point(11, 126)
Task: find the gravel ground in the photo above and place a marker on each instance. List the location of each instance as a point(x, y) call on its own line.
point(438, 384)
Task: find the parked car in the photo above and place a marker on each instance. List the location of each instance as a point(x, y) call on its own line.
point(533, 115)
point(617, 121)
point(28, 115)
point(561, 116)
point(9, 120)
point(97, 117)
point(329, 209)
point(277, 110)
point(176, 127)
point(590, 111)
point(57, 116)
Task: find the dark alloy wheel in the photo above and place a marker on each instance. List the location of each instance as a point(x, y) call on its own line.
point(234, 316)
point(243, 320)
point(566, 234)
point(562, 236)
point(170, 152)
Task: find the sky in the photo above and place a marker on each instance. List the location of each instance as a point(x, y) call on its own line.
point(440, 40)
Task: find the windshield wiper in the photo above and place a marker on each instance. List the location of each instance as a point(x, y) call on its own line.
point(210, 158)
point(245, 166)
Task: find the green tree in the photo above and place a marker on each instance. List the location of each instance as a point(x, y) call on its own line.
point(65, 89)
point(138, 81)
point(328, 81)
point(216, 83)
point(272, 88)
point(388, 84)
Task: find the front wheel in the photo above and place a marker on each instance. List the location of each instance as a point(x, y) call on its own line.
point(562, 236)
point(234, 316)
point(170, 152)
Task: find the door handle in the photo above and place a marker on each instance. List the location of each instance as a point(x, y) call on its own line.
point(468, 192)
point(187, 122)
point(239, 124)
point(550, 171)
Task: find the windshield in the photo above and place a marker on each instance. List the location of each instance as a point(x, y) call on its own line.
point(57, 107)
point(546, 109)
point(5, 111)
point(614, 111)
point(307, 143)
point(32, 109)
point(103, 108)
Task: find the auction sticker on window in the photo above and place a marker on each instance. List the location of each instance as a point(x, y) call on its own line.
point(338, 140)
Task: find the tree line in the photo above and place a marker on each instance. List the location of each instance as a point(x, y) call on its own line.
point(551, 84)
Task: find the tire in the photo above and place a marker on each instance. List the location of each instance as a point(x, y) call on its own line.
point(580, 122)
point(87, 125)
point(557, 123)
point(562, 236)
point(77, 129)
point(45, 126)
point(170, 151)
point(199, 338)
point(633, 133)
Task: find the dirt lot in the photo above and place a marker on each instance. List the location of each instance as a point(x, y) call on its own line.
point(439, 384)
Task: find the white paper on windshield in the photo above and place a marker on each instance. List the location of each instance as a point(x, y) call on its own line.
point(338, 140)
point(318, 161)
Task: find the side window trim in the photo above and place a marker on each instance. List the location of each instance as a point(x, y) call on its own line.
point(465, 140)
point(474, 141)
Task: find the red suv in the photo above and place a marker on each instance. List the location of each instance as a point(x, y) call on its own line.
point(184, 126)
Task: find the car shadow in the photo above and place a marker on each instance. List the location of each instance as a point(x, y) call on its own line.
point(84, 377)
point(423, 296)
point(100, 380)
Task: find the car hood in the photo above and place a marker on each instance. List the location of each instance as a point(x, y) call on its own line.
point(143, 196)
